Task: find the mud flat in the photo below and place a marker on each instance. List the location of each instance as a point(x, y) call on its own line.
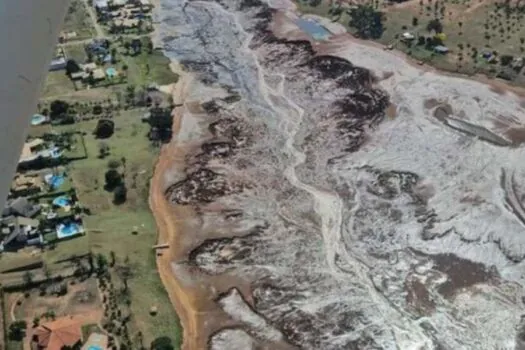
point(300, 216)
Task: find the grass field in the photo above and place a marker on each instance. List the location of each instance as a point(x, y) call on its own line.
point(110, 226)
point(471, 27)
point(57, 84)
point(78, 20)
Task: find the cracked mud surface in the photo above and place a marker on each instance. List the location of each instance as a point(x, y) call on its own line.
point(319, 223)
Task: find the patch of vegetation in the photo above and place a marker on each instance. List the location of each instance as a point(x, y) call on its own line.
point(78, 20)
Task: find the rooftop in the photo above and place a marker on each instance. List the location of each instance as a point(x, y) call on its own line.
point(57, 334)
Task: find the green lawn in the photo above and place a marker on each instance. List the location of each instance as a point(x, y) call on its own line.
point(76, 52)
point(147, 68)
point(78, 20)
point(57, 84)
point(110, 226)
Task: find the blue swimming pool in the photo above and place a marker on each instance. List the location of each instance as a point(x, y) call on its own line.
point(68, 229)
point(54, 181)
point(38, 119)
point(314, 29)
point(55, 152)
point(94, 347)
point(62, 201)
point(111, 72)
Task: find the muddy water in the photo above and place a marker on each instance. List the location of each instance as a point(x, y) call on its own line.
point(300, 213)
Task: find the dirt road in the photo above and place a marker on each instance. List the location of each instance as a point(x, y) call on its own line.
point(183, 301)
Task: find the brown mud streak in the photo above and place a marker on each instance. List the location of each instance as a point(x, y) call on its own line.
point(182, 300)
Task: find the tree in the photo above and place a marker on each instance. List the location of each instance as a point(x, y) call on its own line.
point(120, 194)
point(130, 94)
point(102, 262)
point(127, 46)
point(58, 109)
point(435, 25)
point(17, 330)
point(149, 46)
point(72, 67)
point(162, 343)
point(113, 179)
point(415, 21)
point(367, 21)
point(421, 40)
point(103, 150)
point(505, 60)
point(89, 56)
point(114, 55)
point(28, 278)
point(112, 258)
point(91, 262)
point(113, 164)
point(104, 129)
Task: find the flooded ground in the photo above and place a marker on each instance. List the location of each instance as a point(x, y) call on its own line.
point(341, 198)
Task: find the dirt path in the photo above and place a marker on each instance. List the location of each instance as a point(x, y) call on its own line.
point(93, 16)
point(182, 300)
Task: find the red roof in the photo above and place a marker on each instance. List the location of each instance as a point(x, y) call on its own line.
point(55, 335)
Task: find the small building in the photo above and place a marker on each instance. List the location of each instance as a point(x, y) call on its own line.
point(98, 74)
point(78, 75)
point(58, 63)
point(21, 207)
point(26, 185)
point(441, 49)
point(89, 67)
point(119, 3)
point(101, 5)
point(32, 150)
point(16, 231)
point(408, 36)
point(59, 334)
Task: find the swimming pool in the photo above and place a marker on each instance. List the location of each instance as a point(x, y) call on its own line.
point(62, 201)
point(314, 29)
point(55, 152)
point(68, 229)
point(111, 72)
point(94, 347)
point(38, 119)
point(54, 181)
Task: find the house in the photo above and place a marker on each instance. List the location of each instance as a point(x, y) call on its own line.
point(96, 341)
point(98, 47)
point(58, 63)
point(58, 334)
point(89, 67)
point(19, 231)
point(101, 5)
point(127, 23)
point(31, 150)
point(65, 36)
point(406, 36)
point(441, 49)
point(20, 207)
point(119, 3)
point(26, 184)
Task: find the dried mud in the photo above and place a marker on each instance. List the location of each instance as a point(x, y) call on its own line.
point(294, 242)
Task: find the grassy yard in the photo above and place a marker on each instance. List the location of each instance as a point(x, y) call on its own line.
point(57, 84)
point(111, 227)
point(147, 68)
point(78, 20)
point(471, 27)
point(76, 52)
